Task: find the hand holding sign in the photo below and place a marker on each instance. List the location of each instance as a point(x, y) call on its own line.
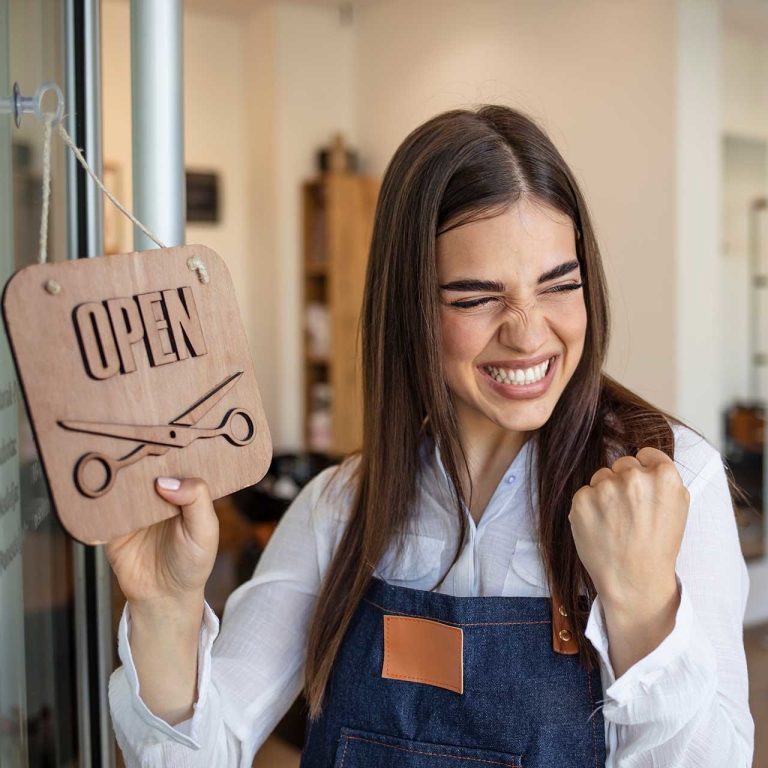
point(169, 562)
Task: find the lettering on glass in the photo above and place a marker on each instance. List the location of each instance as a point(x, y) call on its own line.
point(165, 323)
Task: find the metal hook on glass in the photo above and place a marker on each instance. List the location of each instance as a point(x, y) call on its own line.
point(17, 104)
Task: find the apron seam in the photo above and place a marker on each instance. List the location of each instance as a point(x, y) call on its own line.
point(432, 754)
point(344, 754)
point(456, 623)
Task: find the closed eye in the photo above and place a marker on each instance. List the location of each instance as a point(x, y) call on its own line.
point(564, 287)
point(481, 302)
point(468, 304)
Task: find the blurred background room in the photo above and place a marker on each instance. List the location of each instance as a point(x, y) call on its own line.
point(291, 112)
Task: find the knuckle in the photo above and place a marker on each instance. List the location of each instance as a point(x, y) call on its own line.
point(198, 485)
point(601, 474)
point(634, 476)
point(576, 503)
point(668, 473)
point(629, 461)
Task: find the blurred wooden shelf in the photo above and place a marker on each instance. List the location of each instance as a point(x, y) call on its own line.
point(315, 268)
point(339, 209)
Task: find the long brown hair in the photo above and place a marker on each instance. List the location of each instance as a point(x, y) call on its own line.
point(457, 167)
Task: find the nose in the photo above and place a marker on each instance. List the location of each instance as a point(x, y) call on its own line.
point(524, 330)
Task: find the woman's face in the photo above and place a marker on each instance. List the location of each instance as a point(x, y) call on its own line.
point(512, 310)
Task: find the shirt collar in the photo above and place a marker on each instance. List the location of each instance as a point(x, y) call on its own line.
point(515, 476)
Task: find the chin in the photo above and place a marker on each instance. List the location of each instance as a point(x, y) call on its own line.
point(525, 420)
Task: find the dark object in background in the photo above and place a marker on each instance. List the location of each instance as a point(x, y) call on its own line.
point(288, 473)
point(337, 158)
point(202, 196)
point(744, 440)
point(22, 155)
point(247, 560)
point(294, 723)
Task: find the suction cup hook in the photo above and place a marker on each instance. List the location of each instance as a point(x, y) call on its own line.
point(17, 104)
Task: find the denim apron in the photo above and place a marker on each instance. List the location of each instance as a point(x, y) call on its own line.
point(521, 703)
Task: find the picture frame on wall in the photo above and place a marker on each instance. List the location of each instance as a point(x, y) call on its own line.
point(203, 202)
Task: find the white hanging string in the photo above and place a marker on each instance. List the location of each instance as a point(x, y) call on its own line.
point(195, 263)
point(79, 155)
point(43, 254)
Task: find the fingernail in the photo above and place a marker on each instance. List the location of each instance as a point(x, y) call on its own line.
point(169, 483)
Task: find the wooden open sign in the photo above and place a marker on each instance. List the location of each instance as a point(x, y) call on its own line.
point(134, 369)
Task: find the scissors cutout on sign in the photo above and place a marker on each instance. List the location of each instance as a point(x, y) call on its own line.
point(158, 440)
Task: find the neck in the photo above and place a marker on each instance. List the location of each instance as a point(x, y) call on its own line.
point(489, 449)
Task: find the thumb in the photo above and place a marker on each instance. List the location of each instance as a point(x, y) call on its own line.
point(194, 498)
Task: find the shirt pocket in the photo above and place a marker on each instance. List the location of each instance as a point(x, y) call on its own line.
point(420, 560)
point(525, 575)
point(363, 749)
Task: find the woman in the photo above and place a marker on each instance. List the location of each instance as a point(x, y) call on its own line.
point(526, 564)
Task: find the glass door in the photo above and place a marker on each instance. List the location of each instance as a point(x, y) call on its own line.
point(54, 655)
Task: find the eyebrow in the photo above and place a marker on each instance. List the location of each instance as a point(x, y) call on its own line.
point(494, 286)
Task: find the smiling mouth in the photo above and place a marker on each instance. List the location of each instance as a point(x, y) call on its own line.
point(519, 377)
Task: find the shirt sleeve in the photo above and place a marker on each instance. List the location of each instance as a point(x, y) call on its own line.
point(685, 704)
point(249, 677)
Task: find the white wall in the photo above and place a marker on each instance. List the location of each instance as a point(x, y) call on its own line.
point(698, 299)
point(599, 75)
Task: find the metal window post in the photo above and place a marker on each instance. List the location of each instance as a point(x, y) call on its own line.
point(157, 98)
point(93, 584)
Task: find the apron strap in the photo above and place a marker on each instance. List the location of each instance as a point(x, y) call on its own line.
point(563, 636)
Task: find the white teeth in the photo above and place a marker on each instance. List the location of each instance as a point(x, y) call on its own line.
point(519, 377)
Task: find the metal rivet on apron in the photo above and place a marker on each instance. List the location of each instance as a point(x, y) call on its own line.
point(562, 610)
point(564, 635)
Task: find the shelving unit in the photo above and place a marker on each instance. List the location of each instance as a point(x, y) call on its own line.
point(338, 211)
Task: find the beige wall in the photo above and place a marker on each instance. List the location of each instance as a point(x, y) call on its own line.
point(257, 91)
point(599, 75)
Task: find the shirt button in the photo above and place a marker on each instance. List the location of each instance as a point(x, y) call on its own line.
point(511, 479)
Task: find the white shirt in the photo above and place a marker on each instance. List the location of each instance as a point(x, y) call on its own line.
point(684, 705)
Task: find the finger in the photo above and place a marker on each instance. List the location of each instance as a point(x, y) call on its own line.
point(624, 463)
point(652, 457)
point(194, 498)
point(601, 475)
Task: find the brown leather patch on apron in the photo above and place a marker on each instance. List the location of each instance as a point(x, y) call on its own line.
point(423, 651)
